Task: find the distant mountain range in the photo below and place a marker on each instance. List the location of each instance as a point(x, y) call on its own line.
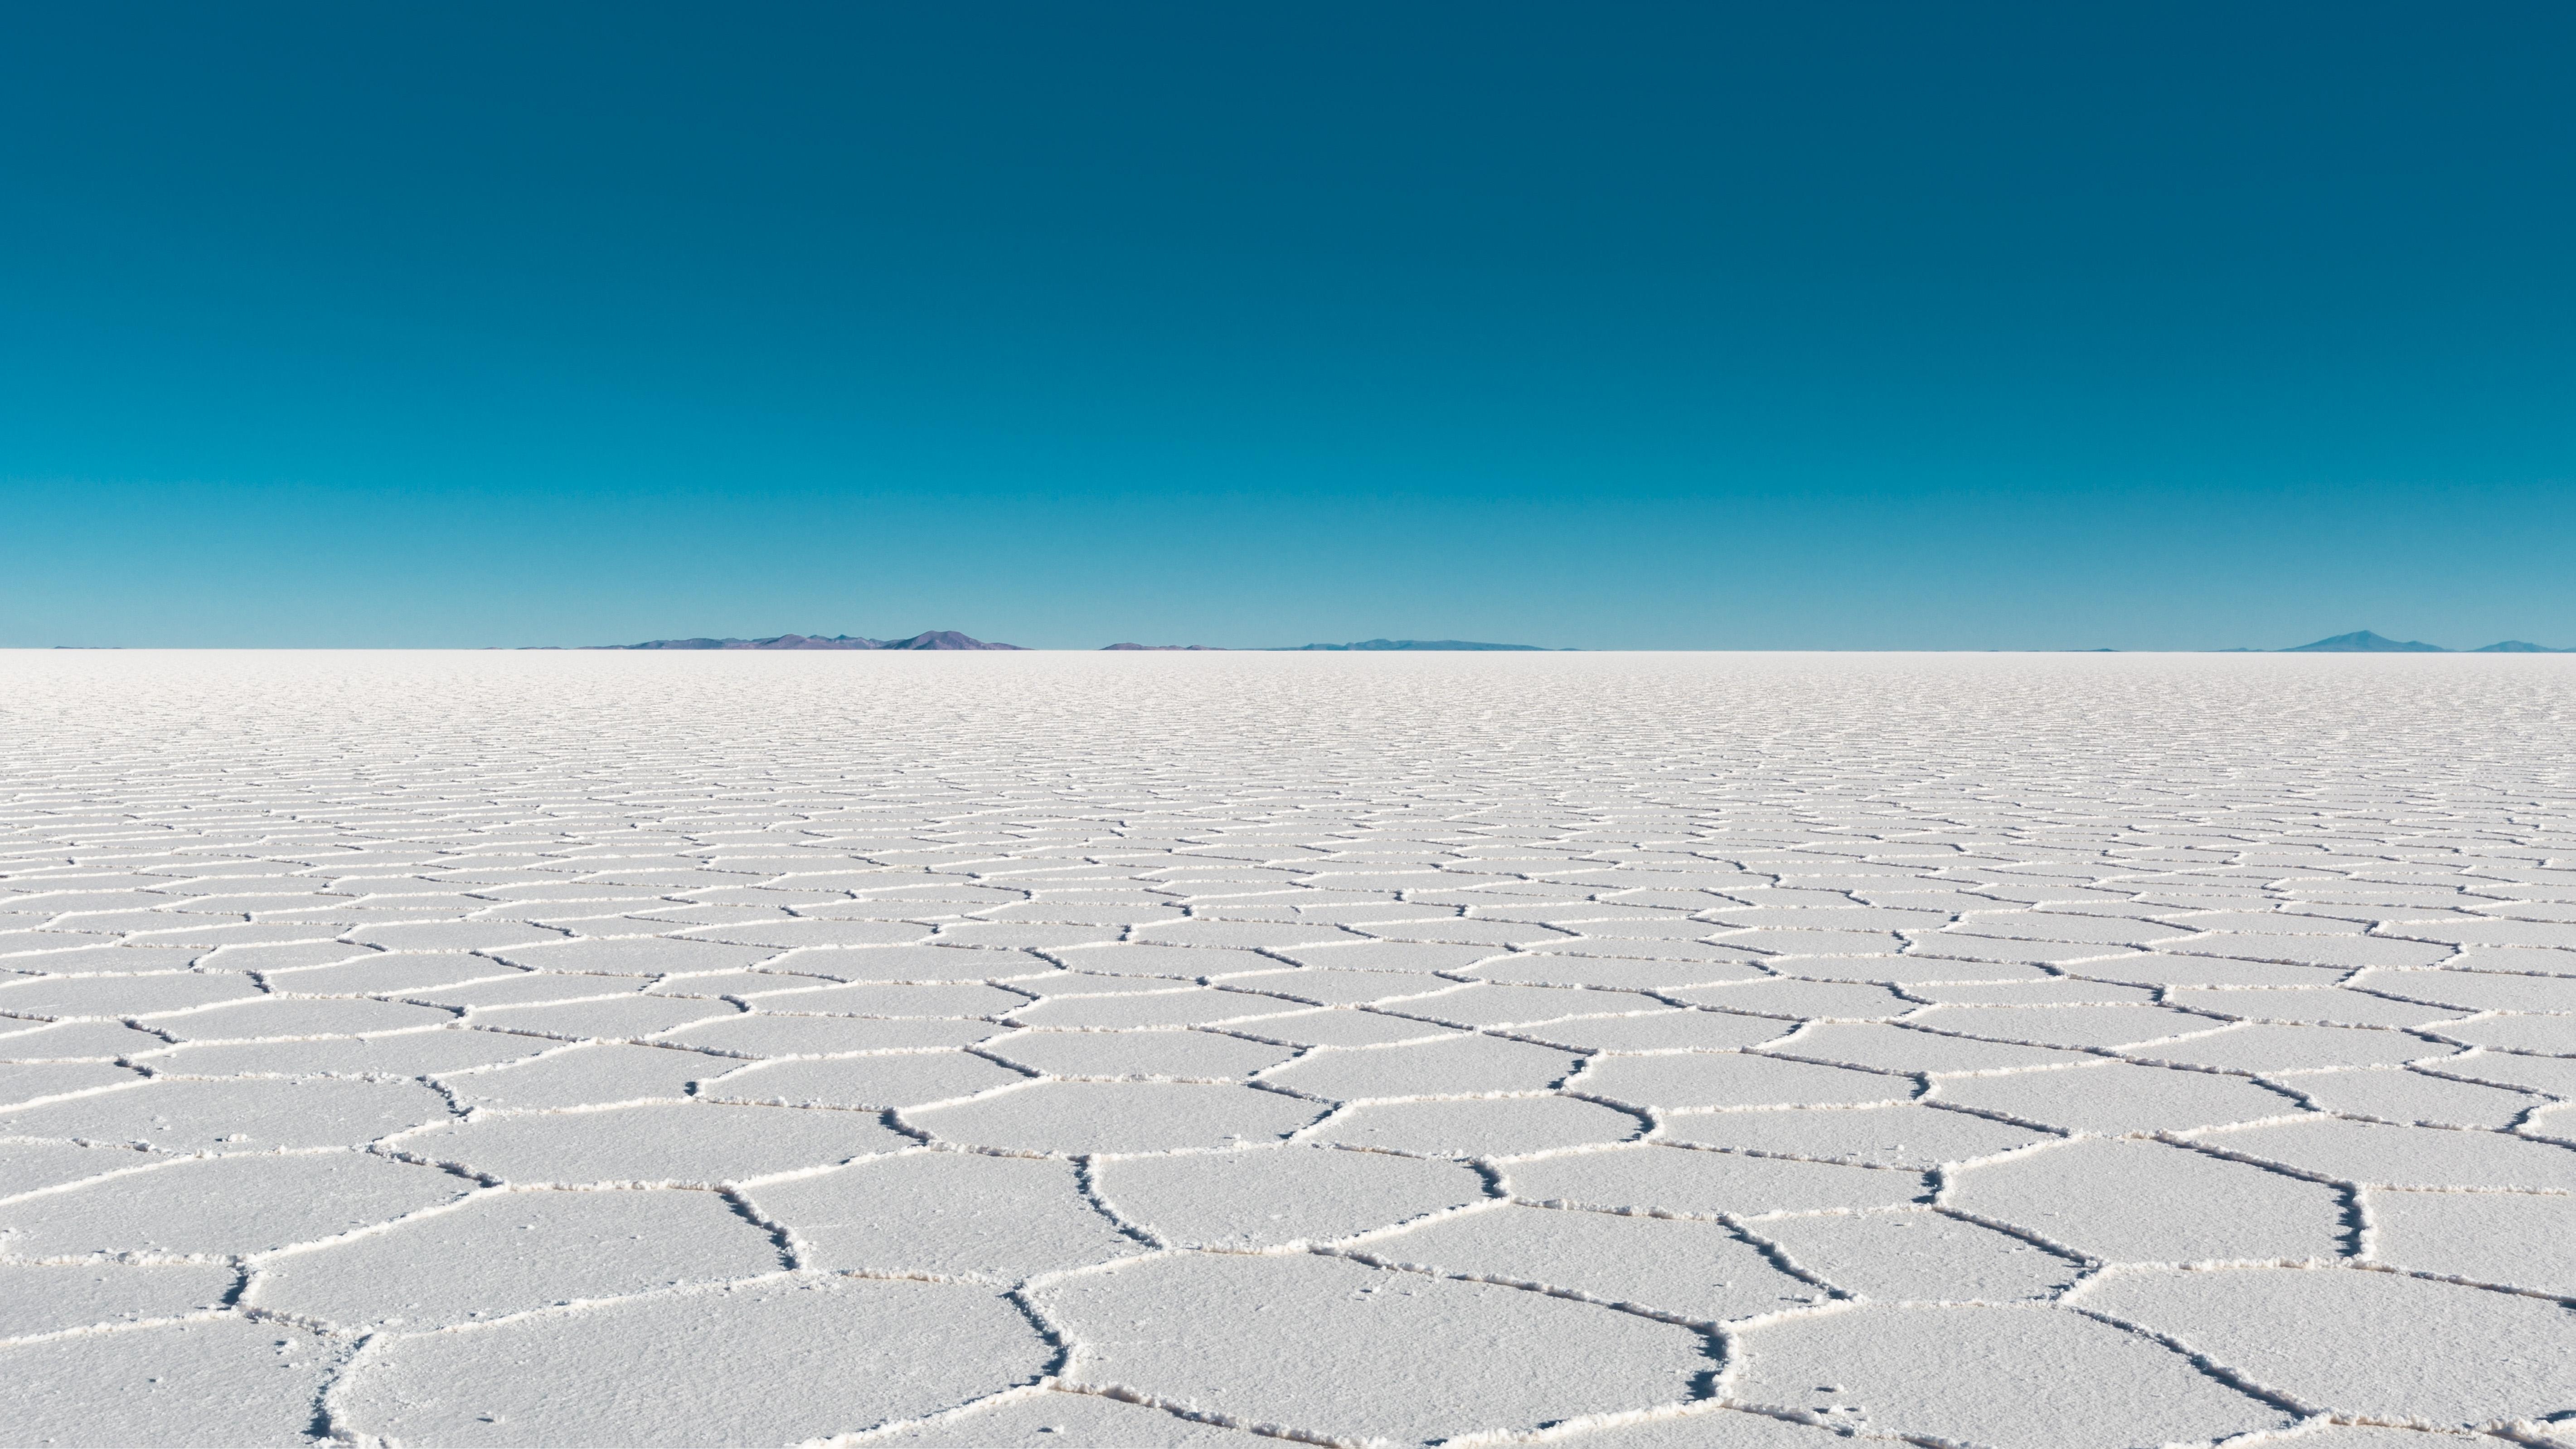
point(2362, 641)
point(935, 639)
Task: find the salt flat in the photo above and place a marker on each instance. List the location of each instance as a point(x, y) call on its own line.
point(1618, 1050)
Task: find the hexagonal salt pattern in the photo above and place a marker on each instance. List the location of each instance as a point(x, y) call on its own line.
point(1629, 1051)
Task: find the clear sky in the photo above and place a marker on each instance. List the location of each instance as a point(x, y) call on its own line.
point(1690, 325)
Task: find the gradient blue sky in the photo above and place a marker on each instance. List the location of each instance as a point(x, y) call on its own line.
point(1688, 325)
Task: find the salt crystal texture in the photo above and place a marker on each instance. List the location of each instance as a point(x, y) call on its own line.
point(1632, 1051)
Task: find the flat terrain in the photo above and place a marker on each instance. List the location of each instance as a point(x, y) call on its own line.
point(1116, 1049)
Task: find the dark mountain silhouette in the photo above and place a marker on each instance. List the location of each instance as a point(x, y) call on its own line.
point(2365, 642)
point(2362, 641)
point(1156, 648)
point(935, 639)
point(941, 639)
point(1375, 644)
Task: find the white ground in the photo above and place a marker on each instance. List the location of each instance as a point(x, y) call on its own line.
point(1633, 1051)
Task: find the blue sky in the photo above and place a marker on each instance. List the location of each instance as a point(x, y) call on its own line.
point(1611, 325)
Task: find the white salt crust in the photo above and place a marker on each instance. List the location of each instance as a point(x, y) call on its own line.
point(1639, 1051)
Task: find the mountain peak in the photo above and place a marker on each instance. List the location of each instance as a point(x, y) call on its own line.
point(940, 639)
point(2362, 641)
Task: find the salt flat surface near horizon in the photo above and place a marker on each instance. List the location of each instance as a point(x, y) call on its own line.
point(1621, 1050)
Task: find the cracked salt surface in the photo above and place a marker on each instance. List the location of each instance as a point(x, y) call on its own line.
point(1632, 1051)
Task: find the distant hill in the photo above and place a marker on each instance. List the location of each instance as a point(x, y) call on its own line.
point(934, 639)
point(942, 639)
point(1157, 648)
point(1374, 644)
point(2362, 641)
